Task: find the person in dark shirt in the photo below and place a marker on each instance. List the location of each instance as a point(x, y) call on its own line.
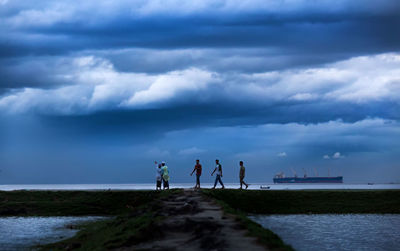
point(158, 176)
point(242, 173)
point(197, 168)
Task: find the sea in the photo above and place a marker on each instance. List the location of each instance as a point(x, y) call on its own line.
point(151, 186)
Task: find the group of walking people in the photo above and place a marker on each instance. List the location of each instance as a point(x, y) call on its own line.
point(162, 175)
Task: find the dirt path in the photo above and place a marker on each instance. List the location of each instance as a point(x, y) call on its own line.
point(194, 222)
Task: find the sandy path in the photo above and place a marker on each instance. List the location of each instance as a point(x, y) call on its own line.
point(194, 222)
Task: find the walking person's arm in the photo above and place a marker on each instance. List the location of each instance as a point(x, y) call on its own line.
point(213, 171)
point(193, 171)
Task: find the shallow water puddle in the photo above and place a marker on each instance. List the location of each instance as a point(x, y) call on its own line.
point(21, 233)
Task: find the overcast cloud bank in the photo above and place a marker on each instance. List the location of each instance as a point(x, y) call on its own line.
point(112, 86)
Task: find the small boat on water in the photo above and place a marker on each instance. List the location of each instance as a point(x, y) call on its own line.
point(265, 187)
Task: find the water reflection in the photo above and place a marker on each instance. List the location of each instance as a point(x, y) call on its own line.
point(21, 233)
point(336, 232)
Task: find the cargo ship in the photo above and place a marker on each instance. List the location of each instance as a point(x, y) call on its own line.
point(280, 178)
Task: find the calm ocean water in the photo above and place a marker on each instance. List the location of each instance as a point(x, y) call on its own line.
point(254, 186)
point(336, 232)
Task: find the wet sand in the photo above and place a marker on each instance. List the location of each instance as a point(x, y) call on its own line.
point(195, 222)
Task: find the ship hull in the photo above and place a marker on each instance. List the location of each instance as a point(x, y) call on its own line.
point(338, 179)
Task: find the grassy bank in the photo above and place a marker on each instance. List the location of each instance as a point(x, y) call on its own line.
point(265, 236)
point(119, 232)
point(73, 203)
point(310, 201)
point(138, 222)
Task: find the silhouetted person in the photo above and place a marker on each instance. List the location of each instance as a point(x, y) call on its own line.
point(242, 173)
point(197, 168)
point(165, 175)
point(158, 176)
point(218, 170)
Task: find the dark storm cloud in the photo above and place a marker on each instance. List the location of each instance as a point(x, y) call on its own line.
point(340, 33)
point(258, 38)
point(105, 84)
point(243, 60)
point(156, 122)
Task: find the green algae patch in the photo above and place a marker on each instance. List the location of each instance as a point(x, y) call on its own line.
point(119, 232)
point(310, 201)
point(74, 203)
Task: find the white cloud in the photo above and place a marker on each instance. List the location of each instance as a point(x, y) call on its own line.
point(282, 154)
point(157, 153)
point(337, 155)
point(303, 96)
point(191, 151)
point(356, 80)
point(99, 86)
point(168, 85)
point(46, 17)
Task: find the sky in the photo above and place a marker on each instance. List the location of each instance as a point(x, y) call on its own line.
point(96, 91)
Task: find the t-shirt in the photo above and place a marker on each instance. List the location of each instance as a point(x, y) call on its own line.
point(219, 169)
point(158, 173)
point(198, 169)
point(242, 171)
point(165, 173)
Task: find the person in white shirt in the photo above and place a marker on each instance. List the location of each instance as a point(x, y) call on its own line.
point(218, 170)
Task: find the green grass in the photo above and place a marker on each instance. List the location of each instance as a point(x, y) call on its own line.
point(122, 231)
point(137, 223)
point(310, 201)
point(73, 203)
